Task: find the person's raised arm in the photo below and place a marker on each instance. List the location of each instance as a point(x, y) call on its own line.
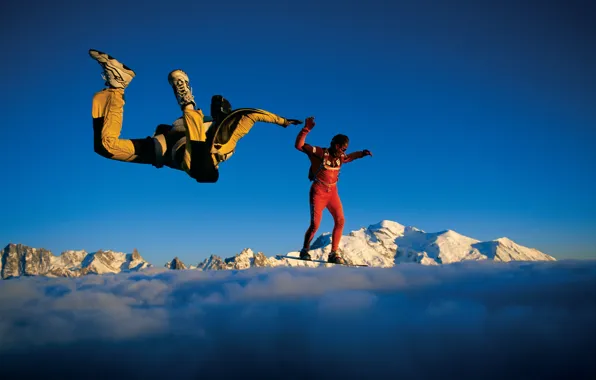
point(300, 144)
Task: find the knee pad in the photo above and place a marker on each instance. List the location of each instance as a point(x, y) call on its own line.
point(160, 147)
point(97, 143)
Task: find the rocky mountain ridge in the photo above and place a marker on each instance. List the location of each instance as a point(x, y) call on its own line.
point(383, 244)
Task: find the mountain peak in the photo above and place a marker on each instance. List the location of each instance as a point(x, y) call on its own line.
point(505, 249)
point(389, 225)
point(176, 264)
point(504, 240)
point(213, 262)
point(449, 233)
point(135, 255)
point(246, 252)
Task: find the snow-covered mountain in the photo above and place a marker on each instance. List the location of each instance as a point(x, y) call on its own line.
point(244, 260)
point(19, 260)
point(175, 264)
point(384, 244)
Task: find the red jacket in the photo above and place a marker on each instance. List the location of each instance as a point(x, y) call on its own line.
point(324, 167)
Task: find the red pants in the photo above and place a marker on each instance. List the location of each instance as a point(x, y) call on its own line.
point(321, 197)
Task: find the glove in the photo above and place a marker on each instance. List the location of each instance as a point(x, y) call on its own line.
point(294, 121)
point(310, 123)
point(367, 152)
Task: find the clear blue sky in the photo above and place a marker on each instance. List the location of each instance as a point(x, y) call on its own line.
point(480, 115)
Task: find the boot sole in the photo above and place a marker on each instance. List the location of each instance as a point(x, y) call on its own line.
point(110, 62)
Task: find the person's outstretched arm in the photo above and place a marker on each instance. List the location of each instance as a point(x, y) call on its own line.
point(356, 155)
point(301, 145)
point(259, 115)
point(237, 125)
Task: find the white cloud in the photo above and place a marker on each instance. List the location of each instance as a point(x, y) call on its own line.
point(410, 321)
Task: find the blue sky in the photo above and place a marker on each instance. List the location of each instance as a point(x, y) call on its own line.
point(480, 117)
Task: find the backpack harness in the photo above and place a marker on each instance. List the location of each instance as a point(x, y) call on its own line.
point(326, 165)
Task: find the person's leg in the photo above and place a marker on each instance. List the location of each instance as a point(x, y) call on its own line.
point(107, 112)
point(336, 209)
point(198, 161)
point(317, 201)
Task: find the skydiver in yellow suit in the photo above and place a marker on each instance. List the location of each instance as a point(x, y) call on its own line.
point(193, 143)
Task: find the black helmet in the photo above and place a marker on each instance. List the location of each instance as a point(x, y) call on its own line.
point(340, 139)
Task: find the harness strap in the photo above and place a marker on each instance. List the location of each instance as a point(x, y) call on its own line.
point(323, 167)
point(325, 183)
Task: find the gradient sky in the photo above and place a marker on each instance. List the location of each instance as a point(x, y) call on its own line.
point(480, 115)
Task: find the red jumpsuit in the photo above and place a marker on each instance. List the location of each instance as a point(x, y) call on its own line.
point(324, 173)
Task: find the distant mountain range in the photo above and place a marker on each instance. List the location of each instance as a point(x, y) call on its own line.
point(384, 244)
point(19, 260)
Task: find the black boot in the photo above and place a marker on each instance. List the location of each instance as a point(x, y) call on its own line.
point(335, 258)
point(304, 255)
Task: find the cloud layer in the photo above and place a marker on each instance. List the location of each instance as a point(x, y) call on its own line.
point(462, 320)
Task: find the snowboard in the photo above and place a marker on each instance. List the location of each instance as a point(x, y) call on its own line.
point(320, 261)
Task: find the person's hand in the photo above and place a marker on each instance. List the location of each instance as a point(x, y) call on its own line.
point(367, 152)
point(310, 123)
point(294, 121)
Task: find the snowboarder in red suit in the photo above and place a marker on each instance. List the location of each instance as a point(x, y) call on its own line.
point(324, 173)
